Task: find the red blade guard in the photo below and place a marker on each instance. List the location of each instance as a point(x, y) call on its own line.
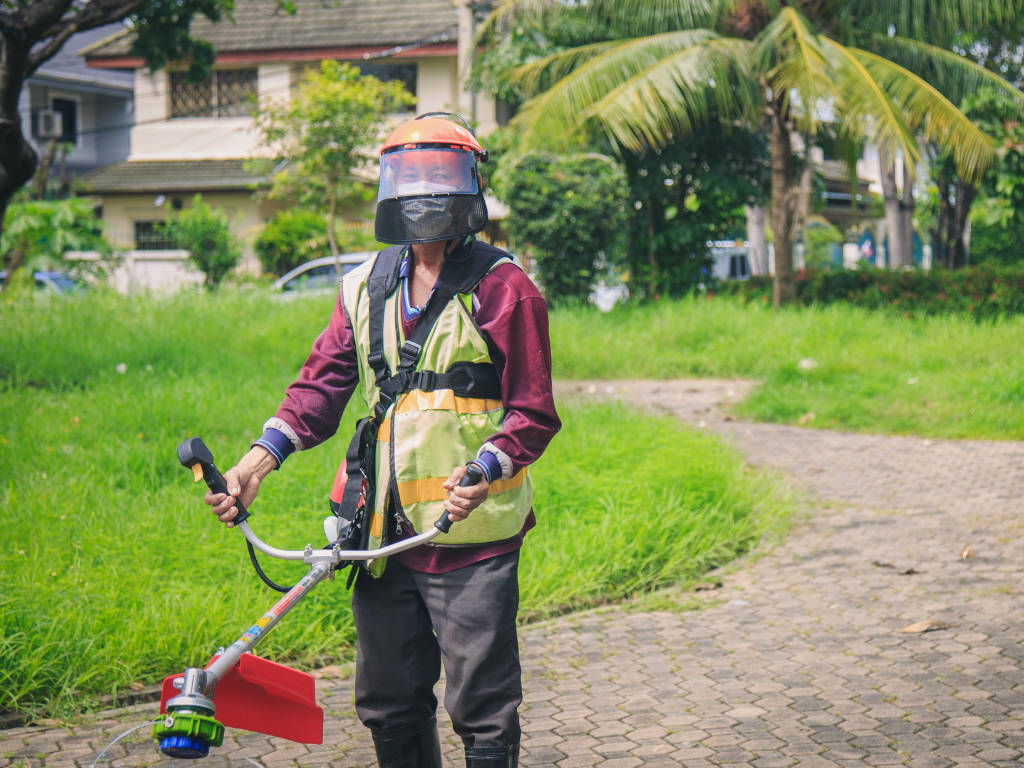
point(266, 697)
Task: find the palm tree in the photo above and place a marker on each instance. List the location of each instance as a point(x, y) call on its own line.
point(777, 65)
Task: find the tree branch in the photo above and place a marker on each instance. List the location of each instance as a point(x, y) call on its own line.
point(93, 15)
point(37, 16)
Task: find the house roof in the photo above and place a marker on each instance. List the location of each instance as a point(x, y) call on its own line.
point(147, 176)
point(68, 65)
point(261, 26)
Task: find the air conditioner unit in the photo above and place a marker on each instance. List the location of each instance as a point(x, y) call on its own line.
point(50, 124)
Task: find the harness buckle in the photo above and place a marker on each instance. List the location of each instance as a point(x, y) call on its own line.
point(409, 353)
point(425, 380)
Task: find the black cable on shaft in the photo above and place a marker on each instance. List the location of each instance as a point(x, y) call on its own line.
point(262, 575)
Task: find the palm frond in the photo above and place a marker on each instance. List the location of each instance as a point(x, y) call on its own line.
point(954, 75)
point(680, 92)
point(647, 17)
point(912, 104)
point(791, 55)
point(865, 105)
point(510, 11)
point(562, 109)
point(934, 20)
point(628, 18)
point(558, 64)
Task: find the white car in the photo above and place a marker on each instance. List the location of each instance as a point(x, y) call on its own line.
point(51, 283)
point(319, 275)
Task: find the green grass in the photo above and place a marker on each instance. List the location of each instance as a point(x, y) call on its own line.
point(113, 574)
point(945, 376)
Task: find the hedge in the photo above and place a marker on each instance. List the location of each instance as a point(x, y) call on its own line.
point(984, 291)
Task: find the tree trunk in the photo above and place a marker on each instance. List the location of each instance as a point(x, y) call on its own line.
point(757, 236)
point(896, 255)
point(784, 284)
point(652, 257)
point(955, 200)
point(950, 236)
point(17, 158)
point(803, 201)
point(64, 190)
point(907, 216)
point(42, 174)
point(957, 243)
point(938, 232)
point(331, 240)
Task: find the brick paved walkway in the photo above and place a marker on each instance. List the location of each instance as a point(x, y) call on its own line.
point(798, 660)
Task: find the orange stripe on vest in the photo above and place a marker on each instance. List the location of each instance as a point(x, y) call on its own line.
point(432, 488)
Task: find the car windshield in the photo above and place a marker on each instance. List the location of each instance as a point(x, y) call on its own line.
point(323, 276)
point(64, 283)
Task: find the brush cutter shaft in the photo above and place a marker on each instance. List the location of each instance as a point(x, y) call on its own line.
point(268, 621)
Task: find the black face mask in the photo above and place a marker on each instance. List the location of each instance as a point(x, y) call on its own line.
point(426, 219)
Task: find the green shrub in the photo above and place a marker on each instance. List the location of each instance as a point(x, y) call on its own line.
point(566, 211)
point(206, 234)
point(997, 243)
point(37, 233)
point(294, 237)
point(291, 238)
point(984, 291)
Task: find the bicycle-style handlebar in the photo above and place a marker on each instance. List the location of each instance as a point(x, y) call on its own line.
point(194, 454)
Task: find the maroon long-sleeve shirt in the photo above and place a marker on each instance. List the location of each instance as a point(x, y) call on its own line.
point(513, 318)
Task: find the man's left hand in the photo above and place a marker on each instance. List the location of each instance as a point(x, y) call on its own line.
point(463, 499)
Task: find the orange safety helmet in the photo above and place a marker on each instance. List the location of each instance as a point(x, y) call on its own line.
point(429, 185)
point(429, 128)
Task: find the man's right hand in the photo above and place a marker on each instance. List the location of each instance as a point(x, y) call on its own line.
point(243, 481)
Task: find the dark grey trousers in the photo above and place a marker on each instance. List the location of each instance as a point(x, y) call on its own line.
point(409, 622)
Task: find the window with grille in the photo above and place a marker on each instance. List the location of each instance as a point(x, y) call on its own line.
point(152, 236)
point(403, 73)
point(224, 93)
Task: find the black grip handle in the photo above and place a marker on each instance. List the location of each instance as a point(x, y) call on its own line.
point(472, 477)
point(194, 452)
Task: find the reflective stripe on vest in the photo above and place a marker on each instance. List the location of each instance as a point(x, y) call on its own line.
point(425, 435)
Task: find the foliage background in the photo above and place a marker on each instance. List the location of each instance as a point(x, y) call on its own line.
point(568, 212)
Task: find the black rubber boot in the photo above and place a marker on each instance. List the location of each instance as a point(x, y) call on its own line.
point(492, 757)
point(408, 747)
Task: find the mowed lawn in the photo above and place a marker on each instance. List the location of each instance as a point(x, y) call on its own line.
point(834, 367)
point(113, 574)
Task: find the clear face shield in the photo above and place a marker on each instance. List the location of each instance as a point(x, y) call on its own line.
point(427, 194)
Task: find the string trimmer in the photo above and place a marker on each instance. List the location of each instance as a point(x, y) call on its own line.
point(240, 690)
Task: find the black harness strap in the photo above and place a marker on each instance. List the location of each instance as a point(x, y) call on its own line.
point(382, 282)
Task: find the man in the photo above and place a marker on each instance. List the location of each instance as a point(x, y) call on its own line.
point(447, 341)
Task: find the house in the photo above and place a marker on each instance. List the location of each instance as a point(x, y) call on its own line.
point(195, 138)
point(88, 110)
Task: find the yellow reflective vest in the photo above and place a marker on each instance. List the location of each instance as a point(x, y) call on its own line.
point(425, 434)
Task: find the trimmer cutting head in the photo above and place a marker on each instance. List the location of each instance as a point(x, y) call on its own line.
point(187, 735)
